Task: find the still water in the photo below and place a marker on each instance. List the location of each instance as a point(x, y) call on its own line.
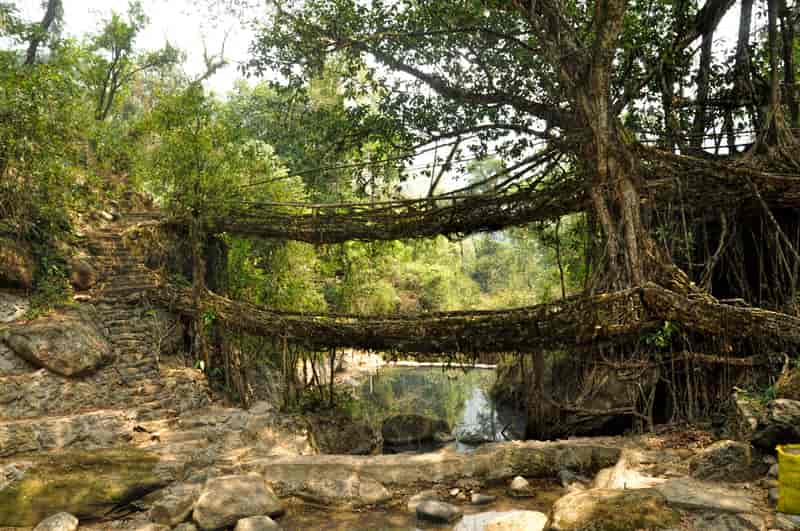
point(460, 397)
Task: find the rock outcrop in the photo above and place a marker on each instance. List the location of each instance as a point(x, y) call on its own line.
point(86, 484)
point(68, 343)
point(401, 430)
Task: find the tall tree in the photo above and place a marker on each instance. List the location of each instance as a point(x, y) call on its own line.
point(54, 11)
point(512, 77)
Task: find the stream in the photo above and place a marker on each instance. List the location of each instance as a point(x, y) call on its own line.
point(301, 516)
point(458, 396)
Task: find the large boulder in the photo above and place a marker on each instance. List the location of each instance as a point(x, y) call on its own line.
point(779, 424)
point(227, 499)
point(17, 265)
point(86, 484)
point(723, 461)
point(620, 510)
point(411, 429)
point(69, 343)
point(341, 435)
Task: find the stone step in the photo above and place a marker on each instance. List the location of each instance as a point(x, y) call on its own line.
point(96, 429)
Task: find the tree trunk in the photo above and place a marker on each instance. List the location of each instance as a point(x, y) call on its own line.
point(53, 10)
point(703, 75)
point(198, 291)
point(787, 32)
point(743, 80)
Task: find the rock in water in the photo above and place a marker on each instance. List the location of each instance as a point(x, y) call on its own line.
point(722, 461)
point(256, 523)
point(85, 484)
point(438, 512)
point(482, 499)
point(417, 499)
point(410, 429)
point(68, 343)
point(58, 522)
point(621, 510)
point(185, 527)
point(518, 521)
point(520, 488)
point(228, 499)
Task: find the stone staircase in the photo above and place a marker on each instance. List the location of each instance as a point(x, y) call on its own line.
point(40, 410)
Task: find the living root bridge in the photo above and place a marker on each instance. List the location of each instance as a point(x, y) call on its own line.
point(669, 178)
point(394, 220)
point(570, 322)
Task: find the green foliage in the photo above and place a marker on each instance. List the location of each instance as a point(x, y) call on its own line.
point(662, 337)
point(113, 62)
point(51, 285)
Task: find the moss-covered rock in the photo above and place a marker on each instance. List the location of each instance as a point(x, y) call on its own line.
point(17, 265)
point(612, 510)
point(86, 484)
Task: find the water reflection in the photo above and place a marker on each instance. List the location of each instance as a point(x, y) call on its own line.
point(457, 396)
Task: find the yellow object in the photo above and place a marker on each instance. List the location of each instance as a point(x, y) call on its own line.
point(789, 479)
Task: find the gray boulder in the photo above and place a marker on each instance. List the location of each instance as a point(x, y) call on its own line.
point(58, 522)
point(256, 523)
point(411, 429)
point(226, 500)
point(68, 343)
point(723, 461)
point(438, 512)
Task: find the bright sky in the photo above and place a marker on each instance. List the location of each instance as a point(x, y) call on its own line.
point(183, 22)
